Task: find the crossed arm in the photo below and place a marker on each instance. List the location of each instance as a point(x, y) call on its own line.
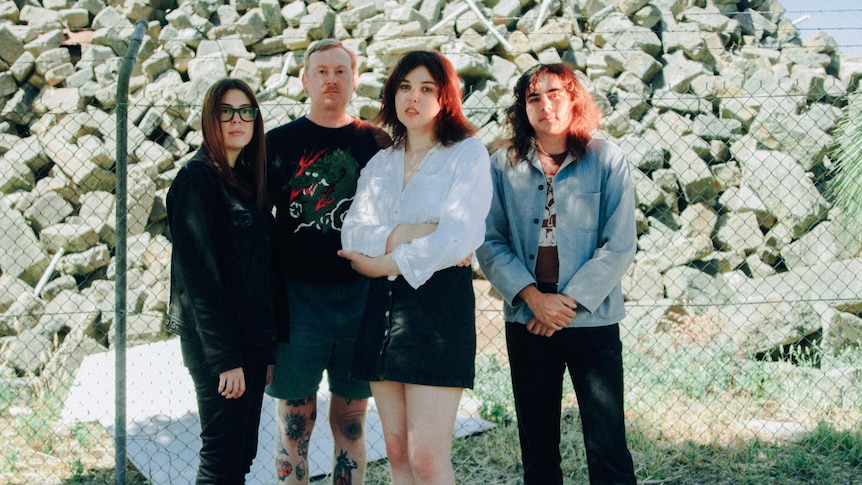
point(384, 265)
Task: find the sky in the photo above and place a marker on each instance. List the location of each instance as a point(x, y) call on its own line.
point(841, 19)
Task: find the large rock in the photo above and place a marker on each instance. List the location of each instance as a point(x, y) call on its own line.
point(22, 255)
point(780, 182)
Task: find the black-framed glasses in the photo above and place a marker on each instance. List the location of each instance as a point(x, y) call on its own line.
point(246, 113)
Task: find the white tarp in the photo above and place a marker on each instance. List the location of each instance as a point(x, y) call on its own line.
point(162, 422)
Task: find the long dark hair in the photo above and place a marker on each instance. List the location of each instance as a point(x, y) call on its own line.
point(451, 125)
point(251, 164)
point(586, 114)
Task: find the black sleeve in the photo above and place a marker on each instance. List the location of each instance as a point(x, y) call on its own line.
point(193, 202)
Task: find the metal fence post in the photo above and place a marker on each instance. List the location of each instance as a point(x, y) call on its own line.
point(120, 288)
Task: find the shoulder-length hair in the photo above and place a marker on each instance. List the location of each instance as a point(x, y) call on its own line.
point(451, 125)
point(586, 114)
point(252, 160)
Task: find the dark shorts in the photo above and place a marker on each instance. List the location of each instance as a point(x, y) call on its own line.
point(423, 336)
point(324, 321)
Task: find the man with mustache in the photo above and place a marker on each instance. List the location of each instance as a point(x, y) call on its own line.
point(314, 164)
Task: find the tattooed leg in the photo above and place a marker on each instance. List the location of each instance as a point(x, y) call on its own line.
point(296, 419)
point(347, 420)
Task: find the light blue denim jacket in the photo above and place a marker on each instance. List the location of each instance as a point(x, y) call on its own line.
point(595, 231)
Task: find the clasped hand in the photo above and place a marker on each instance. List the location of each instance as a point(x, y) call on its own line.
point(551, 312)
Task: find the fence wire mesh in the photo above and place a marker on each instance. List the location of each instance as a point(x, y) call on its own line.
point(743, 340)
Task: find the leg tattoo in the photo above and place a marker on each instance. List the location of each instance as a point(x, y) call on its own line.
point(343, 472)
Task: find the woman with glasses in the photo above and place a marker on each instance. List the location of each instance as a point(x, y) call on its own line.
point(221, 306)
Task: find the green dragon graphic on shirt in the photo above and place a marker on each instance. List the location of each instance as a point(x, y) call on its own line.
point(322, 189)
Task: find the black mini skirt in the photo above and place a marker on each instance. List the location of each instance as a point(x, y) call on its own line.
point(423, 336)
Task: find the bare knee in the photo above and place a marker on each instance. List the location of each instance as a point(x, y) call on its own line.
point(296, 419)
point(347, 417)
point(423, 464)
point(351, 425)
point(428, 465)
point(396, 450)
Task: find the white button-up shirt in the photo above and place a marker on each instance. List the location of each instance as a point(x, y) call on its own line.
point(452, 188)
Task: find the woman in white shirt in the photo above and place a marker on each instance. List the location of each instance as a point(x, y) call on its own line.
point(418, 215)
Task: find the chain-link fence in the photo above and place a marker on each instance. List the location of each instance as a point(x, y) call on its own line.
point(742, 341)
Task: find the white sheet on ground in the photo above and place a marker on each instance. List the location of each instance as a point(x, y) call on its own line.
point(162, 422)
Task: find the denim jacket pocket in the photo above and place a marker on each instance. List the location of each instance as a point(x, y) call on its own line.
point(587, 208)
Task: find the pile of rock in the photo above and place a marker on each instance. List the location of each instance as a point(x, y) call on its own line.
point(725, 114)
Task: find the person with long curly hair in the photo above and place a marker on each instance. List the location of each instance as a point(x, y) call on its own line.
point(560, 237)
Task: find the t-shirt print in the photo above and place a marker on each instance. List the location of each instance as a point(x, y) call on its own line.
point(322, 189)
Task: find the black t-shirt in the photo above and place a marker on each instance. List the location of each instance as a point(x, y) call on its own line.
point(312, 178)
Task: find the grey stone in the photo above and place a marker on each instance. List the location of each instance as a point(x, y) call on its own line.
point(698, 220)
point(707, 20)
point(753, 23)
point(743, 199)
point(252, 26)
point(10, 289)
point(642, 283)
point(840, 329)
point(825, 242)
point(22, 255)
point(642, 153)
point(18, 109)
point(694, 176)
point(63, 364)
point(27, 352)
point(47, 210)
point(11, 46)
point(68, 310)
point(15, 176)
point(40, 19)
point(319, 21)
point(56, 286)
point(738, 232)
point(109, 17)
point(709, 127)
point(678, 251)
point(85, 262)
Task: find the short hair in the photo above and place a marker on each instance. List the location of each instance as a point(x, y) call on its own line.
point(327, 44)
point(586, 114)
point(252, 160)
point(451, 125)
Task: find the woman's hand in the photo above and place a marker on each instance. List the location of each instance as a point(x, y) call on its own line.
point(231, 383)
point(371, 267)
point(404, 233)
point(268, 375)
point(466, 262)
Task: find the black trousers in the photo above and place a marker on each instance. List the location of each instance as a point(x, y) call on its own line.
point(229, 427)
point(593, 357)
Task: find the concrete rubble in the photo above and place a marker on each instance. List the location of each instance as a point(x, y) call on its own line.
point(724, 111)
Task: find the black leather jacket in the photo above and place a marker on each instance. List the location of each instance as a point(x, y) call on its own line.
point(222, 279)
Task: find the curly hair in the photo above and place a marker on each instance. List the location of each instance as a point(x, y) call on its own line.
point(586, 114)
point(451, 125)
point(249, 178)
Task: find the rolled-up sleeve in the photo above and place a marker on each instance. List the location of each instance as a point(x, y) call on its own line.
point(365, 227)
